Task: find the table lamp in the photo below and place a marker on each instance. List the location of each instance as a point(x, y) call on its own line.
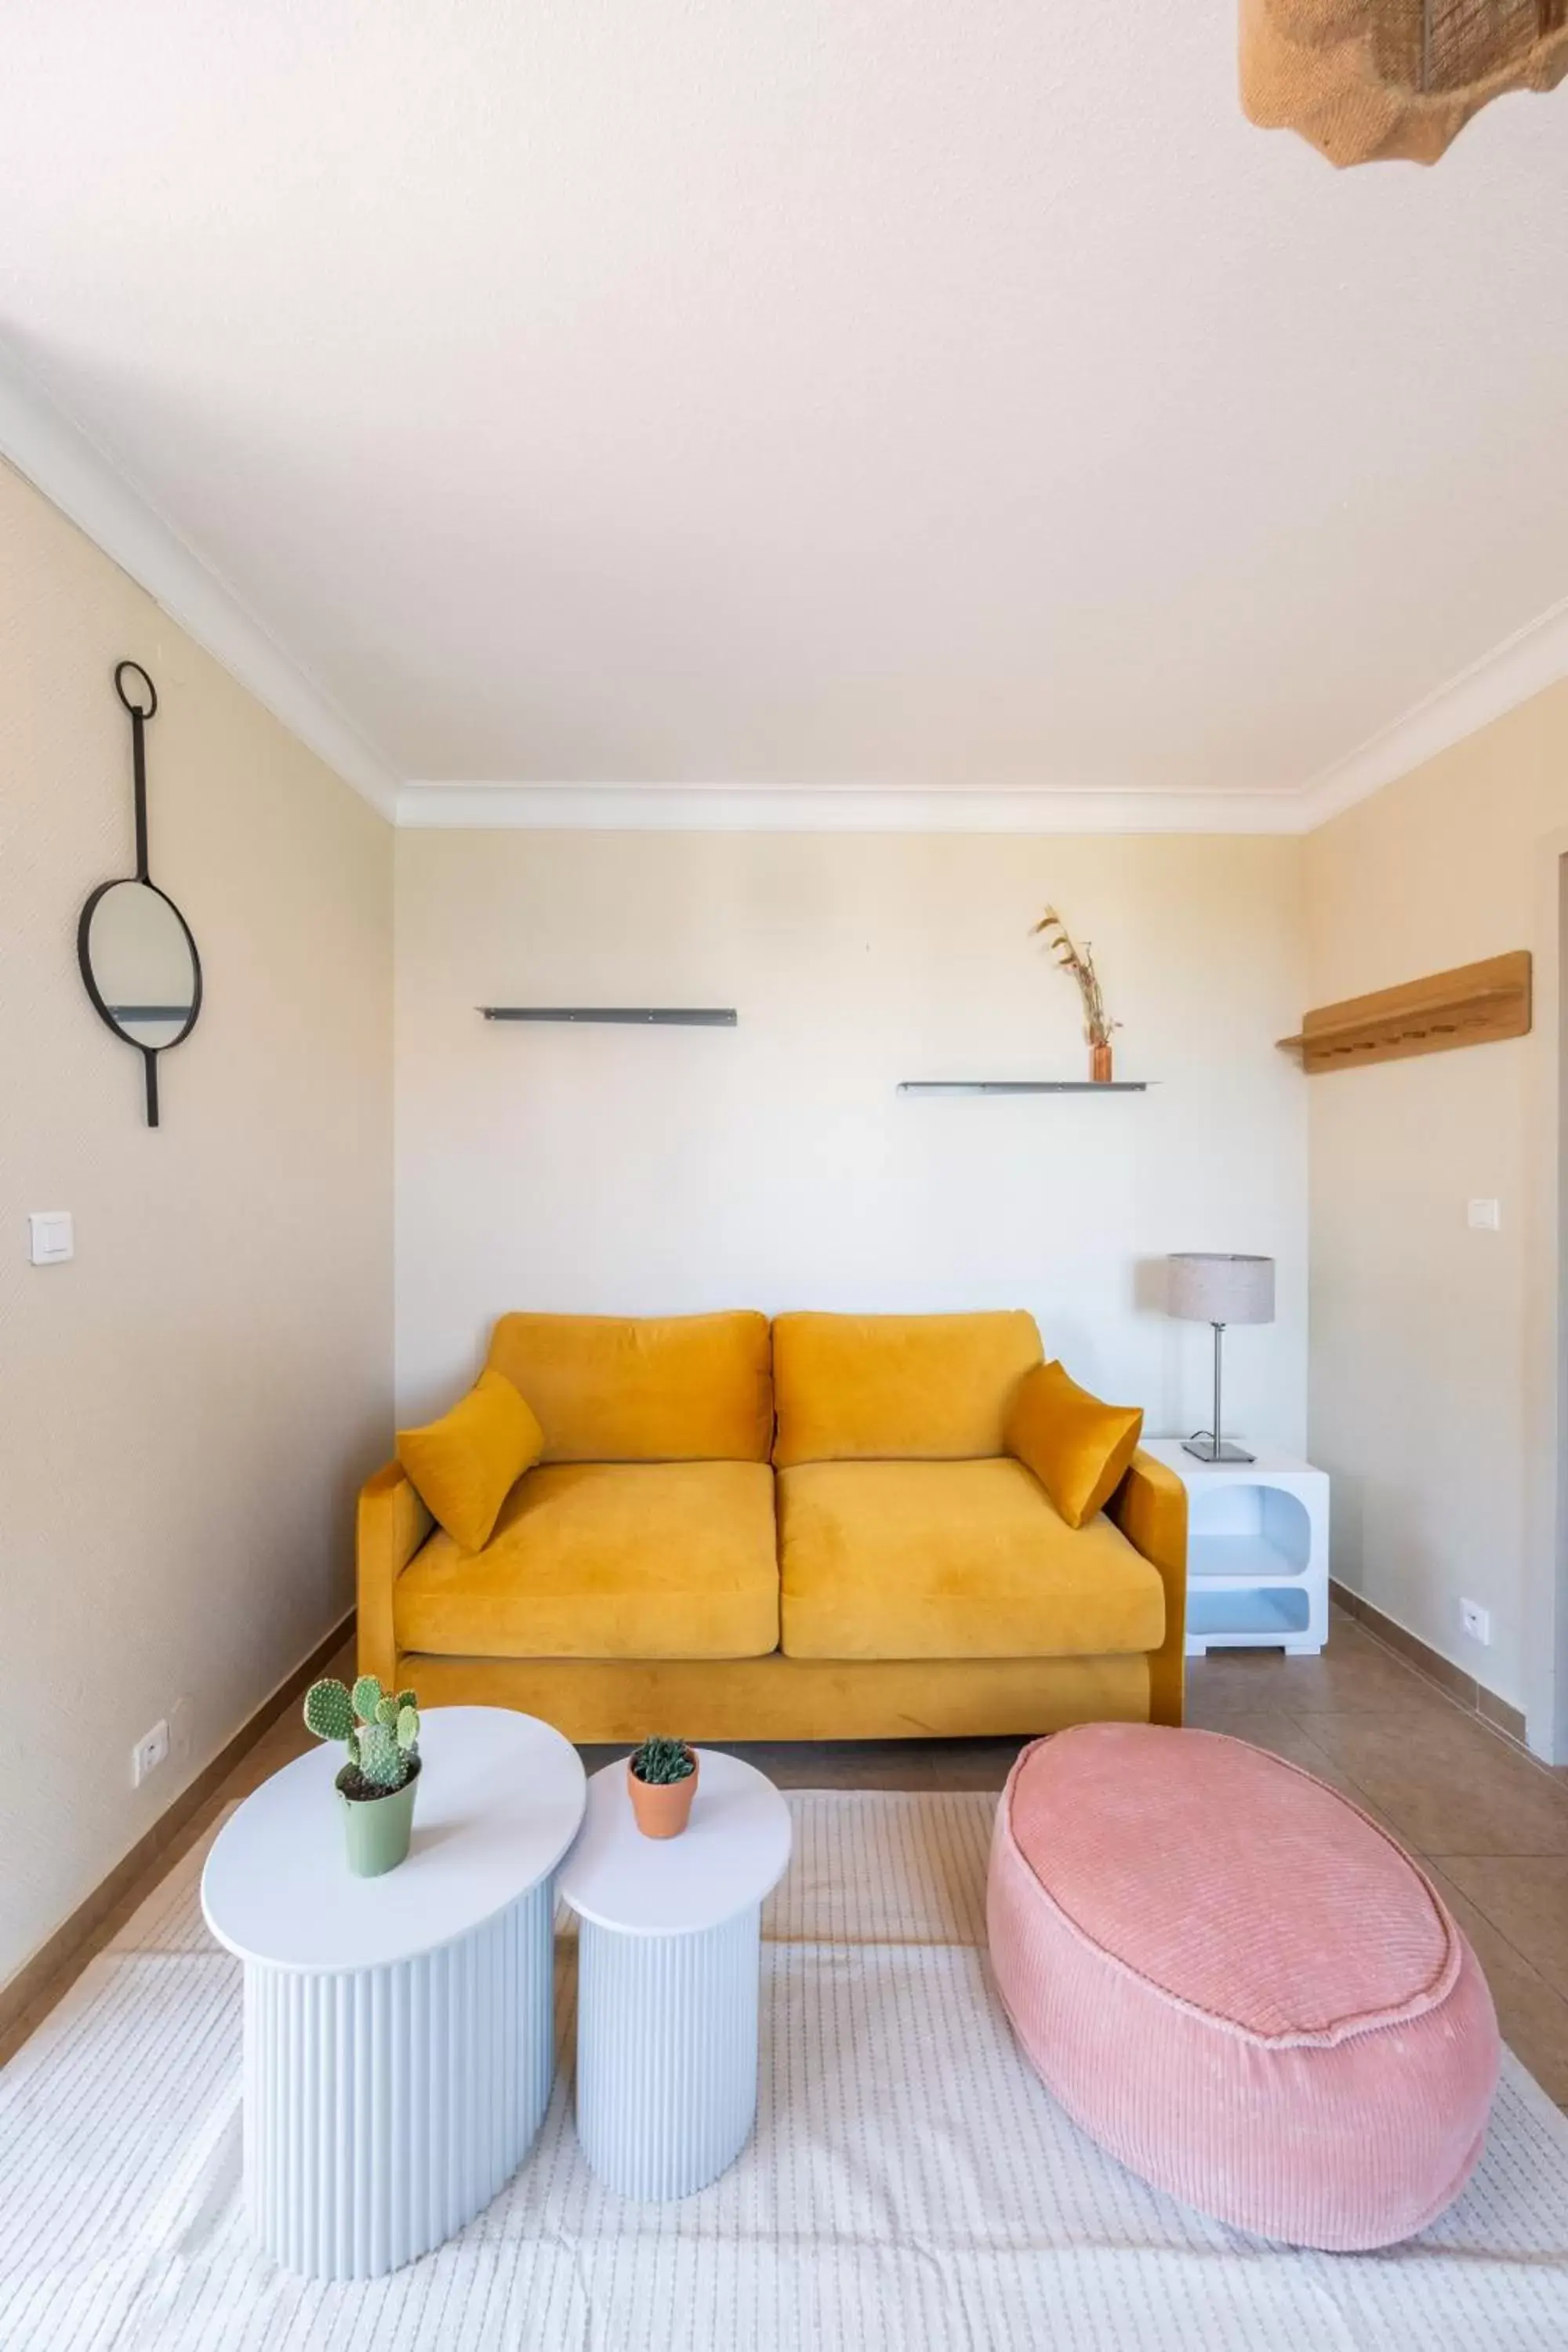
point(1219, 1287)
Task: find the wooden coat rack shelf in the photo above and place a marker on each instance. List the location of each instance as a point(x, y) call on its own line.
point(1473, 1004)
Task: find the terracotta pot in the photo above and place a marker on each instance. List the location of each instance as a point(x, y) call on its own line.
point(378, 1829)
point(663, 1808)
point(1100, 1064)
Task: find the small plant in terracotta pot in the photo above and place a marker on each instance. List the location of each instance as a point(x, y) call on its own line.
point(376, 1786)
point(662, 1778)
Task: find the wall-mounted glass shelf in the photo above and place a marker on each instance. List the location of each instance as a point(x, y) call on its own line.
point(1023, 1085)
point(674, 1016)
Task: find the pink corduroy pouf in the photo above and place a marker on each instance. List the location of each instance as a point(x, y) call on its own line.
point(1239, 1985)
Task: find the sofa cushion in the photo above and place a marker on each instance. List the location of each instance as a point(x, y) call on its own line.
point(1077, 1447)
point(953, 1560)
point(888, 1388)
point(464, 1465)
point(678, 1388)
point(655, 1559)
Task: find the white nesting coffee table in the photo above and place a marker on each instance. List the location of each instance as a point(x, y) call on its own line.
point(399, 2031)
point(669, 1953)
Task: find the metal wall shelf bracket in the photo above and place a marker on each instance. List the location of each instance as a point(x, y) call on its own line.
point(635, 1016)
point(1023, 1085)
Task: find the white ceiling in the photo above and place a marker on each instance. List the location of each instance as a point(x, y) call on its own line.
point(797, 393)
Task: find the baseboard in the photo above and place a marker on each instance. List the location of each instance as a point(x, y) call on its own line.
point(1448, 1678)
point(19, 1993)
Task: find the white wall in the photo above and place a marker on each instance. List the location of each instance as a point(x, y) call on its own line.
point(657, 1170)
point(186, 1408)
point(1433, 1376)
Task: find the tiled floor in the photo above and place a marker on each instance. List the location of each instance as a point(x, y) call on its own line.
point(1490, 1824)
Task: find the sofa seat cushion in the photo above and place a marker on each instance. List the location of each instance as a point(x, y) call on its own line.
point(594, 1559)
point(953, 1560)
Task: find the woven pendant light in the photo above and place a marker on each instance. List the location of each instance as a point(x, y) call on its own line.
point(1368, 80)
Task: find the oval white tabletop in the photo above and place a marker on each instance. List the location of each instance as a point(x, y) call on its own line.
point(501, 1799)
point(734, 1850)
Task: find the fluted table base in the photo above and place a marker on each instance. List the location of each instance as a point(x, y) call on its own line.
point(385, 2107)
point(667, 2053)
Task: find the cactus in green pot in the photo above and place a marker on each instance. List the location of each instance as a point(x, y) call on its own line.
point(380, 1731)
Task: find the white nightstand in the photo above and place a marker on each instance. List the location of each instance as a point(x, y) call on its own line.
point(1257, 1551)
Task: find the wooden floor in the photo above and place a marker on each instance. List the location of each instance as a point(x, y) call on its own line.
point(1489, 1822)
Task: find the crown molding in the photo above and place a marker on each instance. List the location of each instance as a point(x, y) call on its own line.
point(56, 457)
point(52, 451)
point(1533, 658)
point(810, 808)
point(1525, 664)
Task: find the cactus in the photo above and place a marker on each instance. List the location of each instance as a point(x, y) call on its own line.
point(329, 1711)
point(657, 1761)
point(380, 1731)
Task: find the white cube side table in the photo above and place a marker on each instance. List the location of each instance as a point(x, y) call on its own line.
point(669, 1953)
point(1257, 1551)
point(399, 2031)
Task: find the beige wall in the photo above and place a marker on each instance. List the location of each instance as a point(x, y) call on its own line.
point(184, 1408)
point(1432, 1376)
point(774, 1166)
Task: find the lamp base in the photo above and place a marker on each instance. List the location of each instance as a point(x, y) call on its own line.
point(1205, 1450)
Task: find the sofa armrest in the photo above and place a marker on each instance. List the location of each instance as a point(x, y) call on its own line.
point(1150, 1507)
point(392, 1523)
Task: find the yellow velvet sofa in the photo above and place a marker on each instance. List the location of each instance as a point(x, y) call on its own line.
point(811, 1529)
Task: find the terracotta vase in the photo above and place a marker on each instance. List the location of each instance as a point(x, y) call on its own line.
point(663, 1808)
point(1100, 1064)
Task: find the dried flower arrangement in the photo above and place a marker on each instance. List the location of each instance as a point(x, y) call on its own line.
point(1097, 1023)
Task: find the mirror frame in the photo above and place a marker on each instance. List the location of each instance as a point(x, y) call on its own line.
point(140, 714)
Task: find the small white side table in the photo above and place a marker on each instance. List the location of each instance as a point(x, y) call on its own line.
point(399, 2031)
point(1257, 1551)
point(669, 1952)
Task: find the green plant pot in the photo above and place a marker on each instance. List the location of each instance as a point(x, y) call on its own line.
point(377, 1829)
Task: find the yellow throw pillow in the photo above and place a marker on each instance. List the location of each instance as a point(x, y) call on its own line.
point(1078, 1448)
point(464, 1465)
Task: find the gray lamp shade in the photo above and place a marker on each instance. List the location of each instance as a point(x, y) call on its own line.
point(1216, 1286)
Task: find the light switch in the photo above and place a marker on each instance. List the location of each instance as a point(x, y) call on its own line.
point(51, 1236)
point(1485, 1216)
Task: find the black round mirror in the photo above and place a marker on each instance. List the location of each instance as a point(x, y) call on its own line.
point(138, 959)
point(141, 968)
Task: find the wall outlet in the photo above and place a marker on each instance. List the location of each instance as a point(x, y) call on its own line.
point(1476, 1621)
point(1484, 1217)
point(151, 1750)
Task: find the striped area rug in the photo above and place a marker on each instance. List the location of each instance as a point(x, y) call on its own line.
point(909, 2184)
